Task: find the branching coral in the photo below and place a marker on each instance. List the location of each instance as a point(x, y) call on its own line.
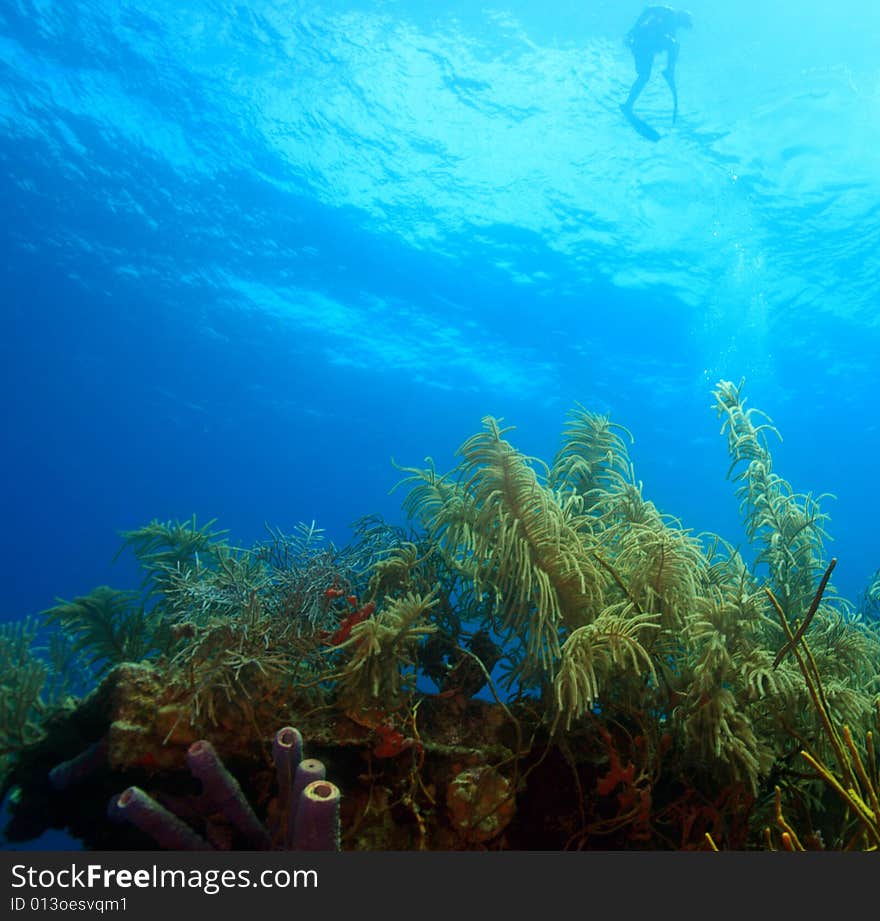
point(517, 540)
point(856, 779)
point(302, 565)
point(790, 529)
point(591, 652)
point(107, 627)
point(226, 667)
point(379, 654)
point(593, 458)
point(166, 547)
point(790, 526)
point(37, 681)
point(22, 677)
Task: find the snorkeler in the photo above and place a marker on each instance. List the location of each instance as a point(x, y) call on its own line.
point(653, 33)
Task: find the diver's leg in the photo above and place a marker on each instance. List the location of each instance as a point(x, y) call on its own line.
point(643, 61)
point(637, 87)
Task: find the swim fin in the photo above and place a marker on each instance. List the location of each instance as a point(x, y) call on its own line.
point(643, 128)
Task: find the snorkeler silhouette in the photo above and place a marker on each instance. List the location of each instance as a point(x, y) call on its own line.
point(653, 33)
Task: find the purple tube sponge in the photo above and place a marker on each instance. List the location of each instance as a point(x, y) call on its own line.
point(307, 771)
point(287, 748)
point(317, 818)
point(153, 819)
point(287, 754)
point(76, 769)
point(224, 792)
point(308, 804)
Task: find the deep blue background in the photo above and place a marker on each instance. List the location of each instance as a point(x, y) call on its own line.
point(251, 251)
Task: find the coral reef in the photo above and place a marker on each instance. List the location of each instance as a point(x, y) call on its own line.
point(545, 660)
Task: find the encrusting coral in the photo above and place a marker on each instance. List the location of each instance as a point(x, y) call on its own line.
point(637, 685)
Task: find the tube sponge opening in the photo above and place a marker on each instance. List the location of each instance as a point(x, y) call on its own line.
point(317, 818)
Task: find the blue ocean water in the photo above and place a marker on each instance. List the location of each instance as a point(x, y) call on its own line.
point(253, 251)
